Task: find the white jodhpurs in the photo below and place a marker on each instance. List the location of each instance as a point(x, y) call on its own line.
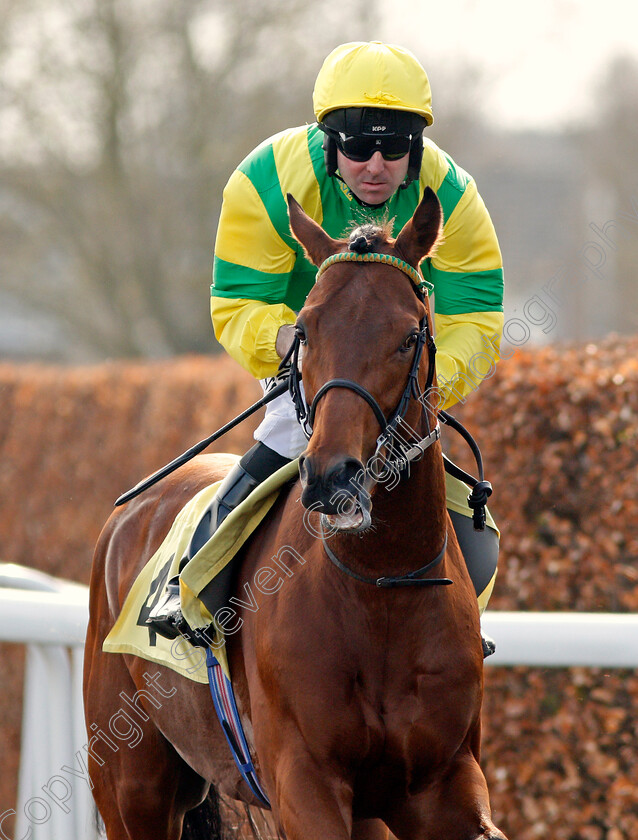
point(280, 429)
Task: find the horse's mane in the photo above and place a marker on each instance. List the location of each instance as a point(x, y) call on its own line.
point(367, 238)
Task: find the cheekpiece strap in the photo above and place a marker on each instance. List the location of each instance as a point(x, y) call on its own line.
point(386, 259)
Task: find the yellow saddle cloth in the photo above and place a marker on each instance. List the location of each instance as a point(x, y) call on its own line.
point(130, 633)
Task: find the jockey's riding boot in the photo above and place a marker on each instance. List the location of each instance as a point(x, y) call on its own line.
point(489, 645)
point(254, 467)
point(480, 552)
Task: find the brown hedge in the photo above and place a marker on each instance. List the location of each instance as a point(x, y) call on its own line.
point(558, 428)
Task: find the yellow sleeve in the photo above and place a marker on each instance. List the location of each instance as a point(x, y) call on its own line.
point(467, 353)
point(247, 330)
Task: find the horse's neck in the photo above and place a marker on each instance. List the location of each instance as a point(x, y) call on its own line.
point(418, 502)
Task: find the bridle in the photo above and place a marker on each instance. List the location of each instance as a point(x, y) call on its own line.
point(397, 449)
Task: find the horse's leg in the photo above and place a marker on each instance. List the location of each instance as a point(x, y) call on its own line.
point(361, 829)
point(369, 830)
point(141, 786)
point(136, 804)
point(456, 807)
point(312, 803)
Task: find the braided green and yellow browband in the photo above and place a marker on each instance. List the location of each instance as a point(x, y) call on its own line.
point(387, 259)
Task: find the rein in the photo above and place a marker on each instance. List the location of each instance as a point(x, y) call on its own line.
point(409, 579)
point(481, 489)
point(306, 414)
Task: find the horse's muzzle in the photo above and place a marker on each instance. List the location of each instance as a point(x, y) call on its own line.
point(338, 492)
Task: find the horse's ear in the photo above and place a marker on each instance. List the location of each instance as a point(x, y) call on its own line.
point(316, 242)
point(420, 236)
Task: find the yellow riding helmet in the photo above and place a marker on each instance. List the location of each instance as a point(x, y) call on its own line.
point(372, 75)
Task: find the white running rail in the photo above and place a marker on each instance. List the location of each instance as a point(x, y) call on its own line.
point(562, 640)
point(50, 617)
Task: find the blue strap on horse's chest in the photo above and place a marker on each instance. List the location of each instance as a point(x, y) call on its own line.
point(223, 695)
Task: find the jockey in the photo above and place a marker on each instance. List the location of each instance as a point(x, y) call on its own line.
point(364, 160)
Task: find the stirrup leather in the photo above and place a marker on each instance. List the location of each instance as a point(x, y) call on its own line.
point(166, 616)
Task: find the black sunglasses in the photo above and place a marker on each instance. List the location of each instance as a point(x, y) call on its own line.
point(361, 148)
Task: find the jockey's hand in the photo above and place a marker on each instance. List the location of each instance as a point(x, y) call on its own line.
point(285, 337)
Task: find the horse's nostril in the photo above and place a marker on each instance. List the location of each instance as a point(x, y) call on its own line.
point(306, 470)
point(344, 474)
point(335, 489)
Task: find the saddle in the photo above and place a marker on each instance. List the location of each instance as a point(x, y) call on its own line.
point(132, 634)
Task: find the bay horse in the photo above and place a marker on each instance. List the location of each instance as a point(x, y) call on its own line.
point(361, 702)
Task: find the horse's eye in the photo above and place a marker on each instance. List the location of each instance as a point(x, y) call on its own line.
point(301, 335)
point(409, 343)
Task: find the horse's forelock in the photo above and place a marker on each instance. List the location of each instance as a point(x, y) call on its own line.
point(366, 239)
